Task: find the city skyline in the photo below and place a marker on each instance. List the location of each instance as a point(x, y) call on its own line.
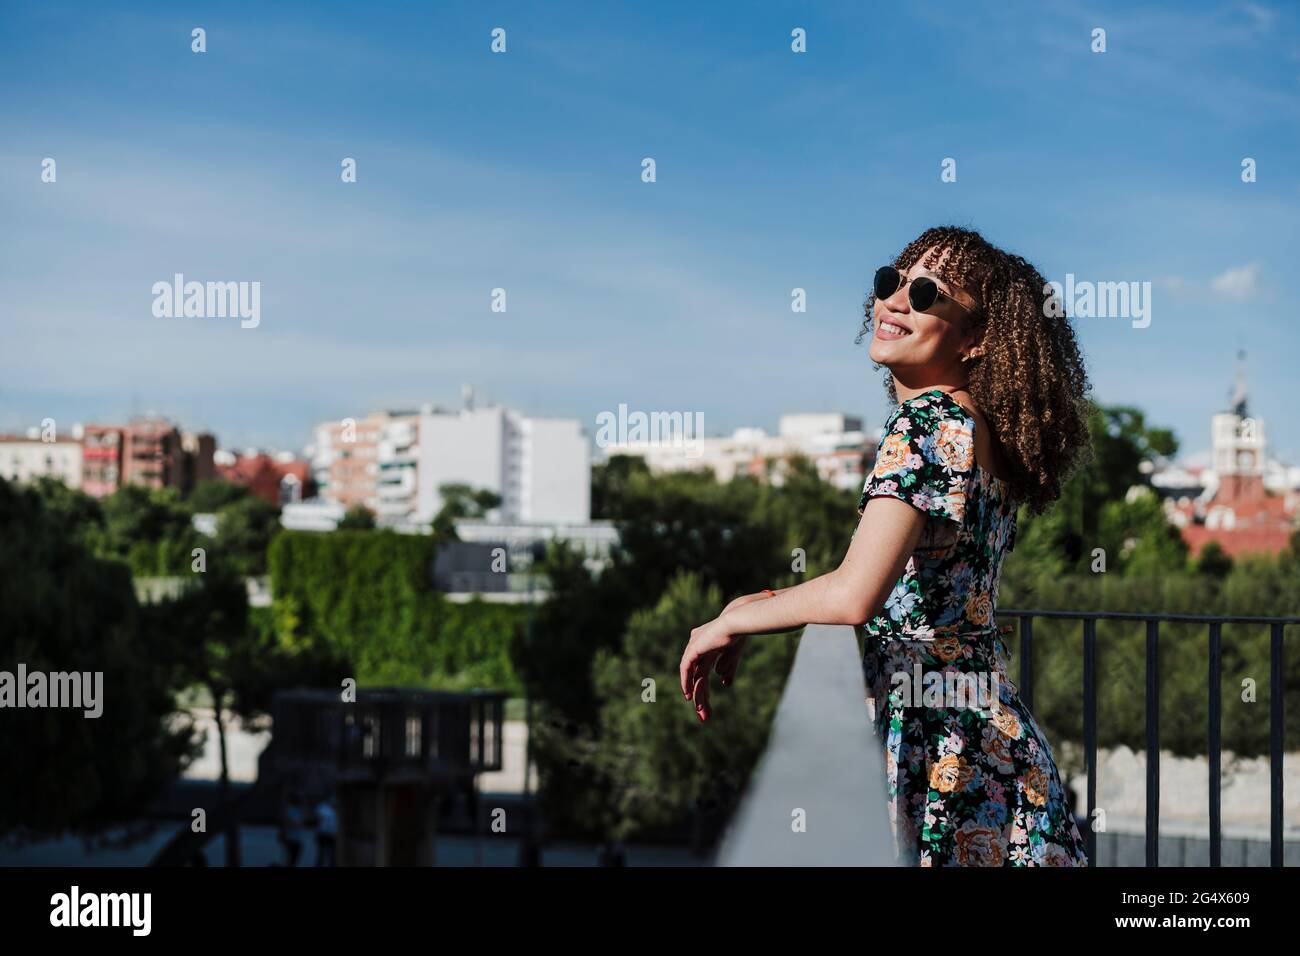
point(1189, 452)
point(522, 171)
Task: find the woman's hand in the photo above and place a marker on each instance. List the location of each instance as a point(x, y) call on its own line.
point(729, 659)
point(710, 645)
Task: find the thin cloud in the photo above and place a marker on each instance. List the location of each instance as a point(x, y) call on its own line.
point(1239, 285)
point(1263, 17)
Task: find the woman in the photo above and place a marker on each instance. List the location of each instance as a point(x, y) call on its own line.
point(990, 415)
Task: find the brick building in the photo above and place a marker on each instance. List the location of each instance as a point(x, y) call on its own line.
point(149, 452)
point(1236, 507)
point(279, 480)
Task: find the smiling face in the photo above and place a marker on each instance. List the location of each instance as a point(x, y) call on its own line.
point(924, 347)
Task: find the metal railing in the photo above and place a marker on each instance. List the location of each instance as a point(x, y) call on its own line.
point(823, 768)
point(823, 758)
point(1214, 730)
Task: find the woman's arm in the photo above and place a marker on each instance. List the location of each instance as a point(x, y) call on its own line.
point(747, 598)
point(757, 596)
point(887, 534)
point(886, 537)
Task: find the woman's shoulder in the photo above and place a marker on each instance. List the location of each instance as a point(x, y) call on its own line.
point(929, 434)
point(927, 412)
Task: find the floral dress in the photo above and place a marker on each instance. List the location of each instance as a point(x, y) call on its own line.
point(972, 781)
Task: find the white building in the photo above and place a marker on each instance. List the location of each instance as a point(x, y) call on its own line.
point(466, 447)
point(394, 463)
point(397, 456)
point(541, 467)
point(811, 425)
point(833, 442)
point(27, 458)
point(1237, 441)
point(316, 514)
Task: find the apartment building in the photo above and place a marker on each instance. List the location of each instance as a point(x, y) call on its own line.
point(835, 443)
point(369, 461)
point(25, 458)
point(148, 451)
point(541, 467)
point(395, 462)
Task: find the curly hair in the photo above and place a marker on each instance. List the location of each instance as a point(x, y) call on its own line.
point(1030, 383)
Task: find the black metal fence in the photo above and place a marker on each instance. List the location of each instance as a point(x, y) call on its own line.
point(1214, 735)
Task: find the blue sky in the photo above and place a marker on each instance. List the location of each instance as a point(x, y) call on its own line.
point(522, 171)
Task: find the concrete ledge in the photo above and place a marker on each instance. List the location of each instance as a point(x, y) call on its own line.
point(823, 758)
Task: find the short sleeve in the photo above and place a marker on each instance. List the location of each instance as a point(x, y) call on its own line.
point(926, 457)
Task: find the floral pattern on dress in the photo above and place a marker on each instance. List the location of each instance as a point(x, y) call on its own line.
point(972, 780)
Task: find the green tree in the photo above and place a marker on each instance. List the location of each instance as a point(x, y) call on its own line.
point(1063, 539)
point(357, 518)
point(64, 610)
point(151, 530)
point(237, 661)
point(215, 494)
point(659, 764)
point(609, 480)
point(1213, 561)
point(245, 528)
point(74, 515)
point(212, 617)
point(1137, 537)
point(737, 538)
point(461, 502)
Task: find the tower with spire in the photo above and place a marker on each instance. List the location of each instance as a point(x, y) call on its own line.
point(1237, 442)
point(1236, 510)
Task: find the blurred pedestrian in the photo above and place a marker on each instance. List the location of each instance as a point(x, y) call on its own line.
point(291, 829)
point(327, 828)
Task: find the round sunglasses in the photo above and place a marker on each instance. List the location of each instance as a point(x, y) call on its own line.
point(922, 292)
